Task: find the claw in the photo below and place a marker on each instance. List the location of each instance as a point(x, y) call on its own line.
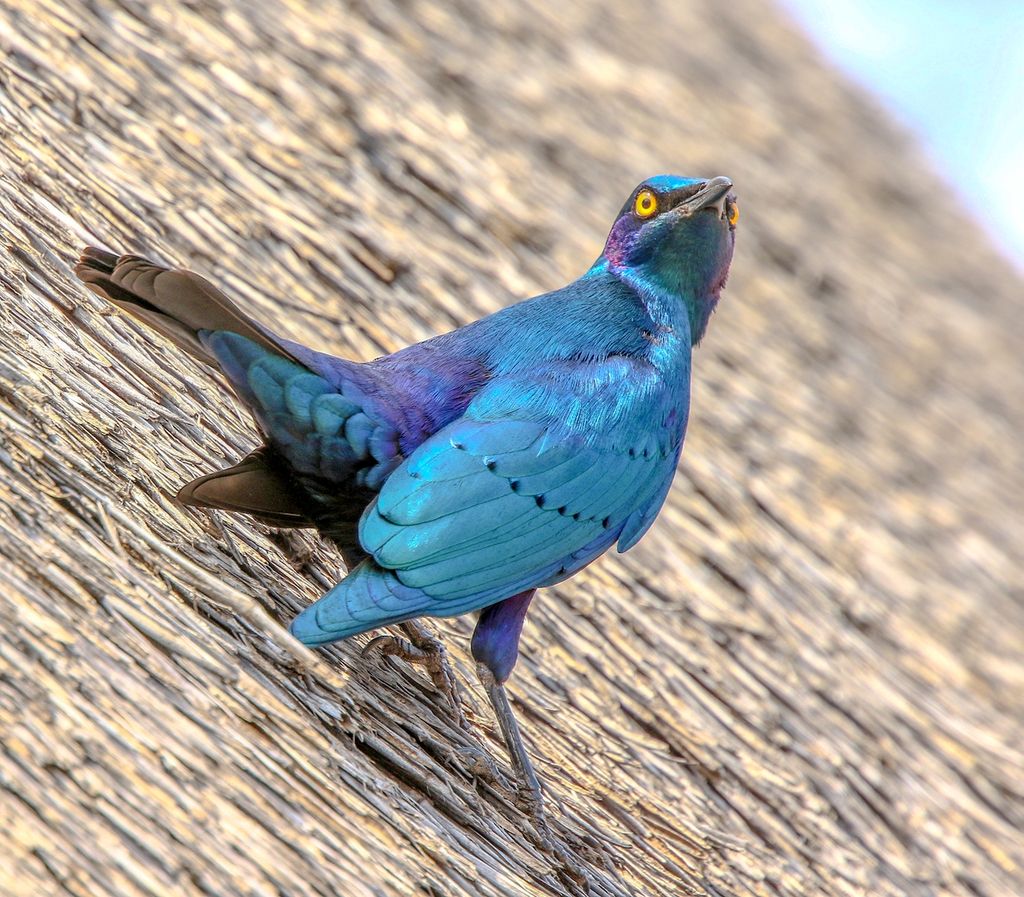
point(422, 649)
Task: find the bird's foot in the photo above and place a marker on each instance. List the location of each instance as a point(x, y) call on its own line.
point(526, 796)
point(478, 763)
point(422, 649)
point(529, 800)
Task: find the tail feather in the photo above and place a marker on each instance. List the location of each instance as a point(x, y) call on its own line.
point(323, 454)
point(253, 486)
point(179, 304)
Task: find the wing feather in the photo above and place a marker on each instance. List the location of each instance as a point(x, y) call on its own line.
point(508, 522)
point(515, 494)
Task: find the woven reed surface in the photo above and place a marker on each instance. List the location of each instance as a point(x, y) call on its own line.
point(806, 680)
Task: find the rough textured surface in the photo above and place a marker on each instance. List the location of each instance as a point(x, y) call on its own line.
point(806, 680)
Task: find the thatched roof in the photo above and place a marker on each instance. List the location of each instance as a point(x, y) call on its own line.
point(808, 678)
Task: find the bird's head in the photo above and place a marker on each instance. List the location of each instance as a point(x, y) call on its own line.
point(673, 241)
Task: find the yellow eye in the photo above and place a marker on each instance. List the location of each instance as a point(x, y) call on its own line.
point(646, 204)
point(733, 212)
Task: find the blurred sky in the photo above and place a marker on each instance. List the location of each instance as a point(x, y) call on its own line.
point(953, 71)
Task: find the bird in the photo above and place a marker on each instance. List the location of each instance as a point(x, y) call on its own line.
point(465, 472)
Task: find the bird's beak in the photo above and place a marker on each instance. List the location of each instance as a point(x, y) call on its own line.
point(712, 195)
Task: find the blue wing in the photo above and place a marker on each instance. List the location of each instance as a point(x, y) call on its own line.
point(497, 503)
point(513, 510)
point(327, 427)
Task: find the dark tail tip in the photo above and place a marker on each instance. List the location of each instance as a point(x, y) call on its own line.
point(94, 259)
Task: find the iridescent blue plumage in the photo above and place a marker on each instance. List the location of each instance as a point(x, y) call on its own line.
point(568, 446)
point(467, 471)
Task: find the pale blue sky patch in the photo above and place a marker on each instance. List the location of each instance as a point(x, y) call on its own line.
point(953, 71)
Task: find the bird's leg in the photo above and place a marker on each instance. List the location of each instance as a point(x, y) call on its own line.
point(420, 647)
point(495, 647)
point(529, 786)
